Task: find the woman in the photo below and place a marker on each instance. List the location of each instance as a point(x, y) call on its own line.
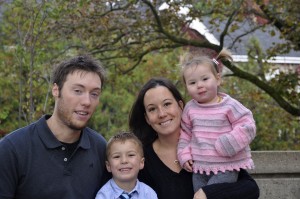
point(155, 118)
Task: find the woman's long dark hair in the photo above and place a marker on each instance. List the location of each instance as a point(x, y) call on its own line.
point(137, 121)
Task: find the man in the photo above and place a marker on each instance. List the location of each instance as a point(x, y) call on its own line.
point(58, 156)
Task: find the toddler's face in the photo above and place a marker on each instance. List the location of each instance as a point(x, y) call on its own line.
point(202, 84)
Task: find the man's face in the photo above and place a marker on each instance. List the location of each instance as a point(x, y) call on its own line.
point(77, 100)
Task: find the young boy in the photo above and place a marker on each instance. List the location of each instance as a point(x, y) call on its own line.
point(125, 157)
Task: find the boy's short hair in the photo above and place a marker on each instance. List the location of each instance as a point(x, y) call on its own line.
point(122, 137)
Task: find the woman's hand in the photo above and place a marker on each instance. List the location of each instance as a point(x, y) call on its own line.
point(200, 194)
point(188, 165)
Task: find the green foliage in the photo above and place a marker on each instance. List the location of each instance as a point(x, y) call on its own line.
point(285, 17)
point(286, 83)
point(135, 42)
point(27, 60)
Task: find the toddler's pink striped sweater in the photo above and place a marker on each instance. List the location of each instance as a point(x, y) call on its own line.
point(216, 136)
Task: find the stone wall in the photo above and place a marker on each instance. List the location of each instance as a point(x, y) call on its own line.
point(277, 174)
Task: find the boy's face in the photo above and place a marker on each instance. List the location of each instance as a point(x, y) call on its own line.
point(124, 161)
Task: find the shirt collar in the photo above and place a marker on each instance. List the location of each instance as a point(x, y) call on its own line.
point(118, 191)
point(50, 140)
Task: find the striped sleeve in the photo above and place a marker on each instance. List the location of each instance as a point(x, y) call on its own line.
point(243, 130)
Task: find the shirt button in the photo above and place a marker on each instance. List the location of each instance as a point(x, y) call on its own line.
point(65, 159)
point(63, 148)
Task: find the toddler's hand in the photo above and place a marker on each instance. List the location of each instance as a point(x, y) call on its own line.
point(188, 165)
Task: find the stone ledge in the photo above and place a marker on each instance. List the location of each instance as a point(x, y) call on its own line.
point(276, 162)
point(277, 174)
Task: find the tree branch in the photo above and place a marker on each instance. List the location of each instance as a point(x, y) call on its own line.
point(180, 40)
point(264, 86)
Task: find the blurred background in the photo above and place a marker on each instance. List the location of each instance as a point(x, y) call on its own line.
point(137, 40)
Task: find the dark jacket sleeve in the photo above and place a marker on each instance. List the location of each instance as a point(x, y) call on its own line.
point(245, 188)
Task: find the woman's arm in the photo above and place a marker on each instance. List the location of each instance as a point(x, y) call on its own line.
point(245, 188)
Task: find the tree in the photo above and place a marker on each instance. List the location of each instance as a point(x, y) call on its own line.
point(287, 21)
point(135, 40)
point(26, 34)
point(130, 29)
point(29, 50)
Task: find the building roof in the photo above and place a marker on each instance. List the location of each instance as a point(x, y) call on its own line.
point(239, 47)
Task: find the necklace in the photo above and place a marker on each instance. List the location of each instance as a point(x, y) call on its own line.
point(176, 162)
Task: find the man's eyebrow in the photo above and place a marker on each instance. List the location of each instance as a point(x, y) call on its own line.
point(82, 86)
